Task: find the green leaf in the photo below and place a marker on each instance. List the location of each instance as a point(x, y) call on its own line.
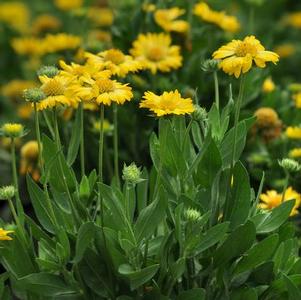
point(75, 138)
point(293, 291)
point(258, 254)
point(244, 294)
point(45, 284)
point(193, 294)
point(276, 217)
point(84, 237)
point(138, 278)
point(239, 241)
point(39, 200)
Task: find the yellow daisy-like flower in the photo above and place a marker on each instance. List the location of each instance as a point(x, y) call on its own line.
point(166, 104)
point(115, 61)
point(285, 50)
point(272, 199)
point(57, 93)
point(44, 23)
point(166, 18)
point(297, 99)
point(60, 42)
point(12, 129)
point(4, 235)
point(293, 132)
point(101, 16)
point(68, 4)
point(156, 53)
point(221, 19)
point(237, 56)
point(28, 46)
point(295, 153)
point(268, 85)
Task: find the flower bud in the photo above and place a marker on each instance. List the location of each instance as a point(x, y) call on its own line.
point(290, 165)
point(33, 95)
point(131, 174)
point(7, 192)
point(199, 114)
point(192, 215)
point(49, 71)
point(210, 65)
point(12, 130)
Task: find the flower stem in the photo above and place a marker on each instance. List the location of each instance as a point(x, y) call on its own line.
point(216, 89)
point(287, 176)
point(50, 128)
point(82, 141)
point(100, 148)
point(116, 162)
point(15, 180)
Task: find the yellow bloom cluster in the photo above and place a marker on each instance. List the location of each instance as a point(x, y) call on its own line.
point(51, 43)
point(272, 199)
point(166, 18)
point(293, 132)
point(237, 56)
point(221, 19)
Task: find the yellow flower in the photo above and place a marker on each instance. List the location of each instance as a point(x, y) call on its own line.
point(221, 19)
point(156, 53)
point(285, 50)
point(28, 46)
point(4, 235)
point(268, 85)
point(297, 99)
point(57, 93)
point(24, 111)
point(167, 103)
point(166, 18)
point(148, 7)
point(60, 42)
point(295, 153)
point(237, 56)
point(68, 4)
point(272, 199)
point(15, 14)
point(101, 16)
point(44, 23)
point(294, 19)
point(12, 129)
point(29, 160)
point(115, 61)
point(14, 88)
point(107, 126)
point(293, 132)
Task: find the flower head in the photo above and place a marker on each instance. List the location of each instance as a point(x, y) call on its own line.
point(268, 85)
point(29, 159)
point(272, 199)
point(155, 52)
point(167, 19)
point(4, 235)
point(49, 71)
point(237, 56)
point(297, 99)
point(285, 50)
point(101, 16)
point(12, 130)
point(290, 165)
point(293, 132)
point(167, 103)
point(192, 215)
point(14, 88)
point(34, 95)
point(295, 153)
point(44, 23)
point(7, 192)
point(131, 174)
point(68, 4)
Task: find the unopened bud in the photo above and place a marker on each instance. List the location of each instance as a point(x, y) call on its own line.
point(49, 71)
point(33, 95)
point(7, 192)
point(131, 174)
point(290, 165)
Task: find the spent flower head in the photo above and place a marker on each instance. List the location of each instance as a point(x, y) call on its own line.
point(49, 71)
point(34, 95)
point(131, 173)
point(290, 165)
point(7, 192)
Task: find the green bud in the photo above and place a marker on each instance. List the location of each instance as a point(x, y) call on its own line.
point(290, 165)
point(33, 95)
point(131, 174)
point(199, 114)
point(210, 65)
point(49, 71)
point(7, 192)
point(192, 215)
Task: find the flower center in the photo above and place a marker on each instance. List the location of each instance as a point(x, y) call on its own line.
point(245, 48)
point(155, 53)
point(53, 88)
point(115, 56)
point(105, 85)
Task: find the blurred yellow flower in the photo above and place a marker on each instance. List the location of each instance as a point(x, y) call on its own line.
point(14, 88)
point(28, 46)
point(44, 23)
point(294, 19)
point(68, 4)
point(24, 111)
point(61, 41)
point(272, 199)
point(4, 235)
point(107, 126)
point(167, 103)
point(155, 52)
point(295, 153)
point(268, 85)
point(29, 159)
point(101, 16)
point(293, 132)
point(15, 14)
point(166, 18)
point(297, 99)
point(115, 61)
point(221, 19)
point(238, 56)
point(12, 129)
point(285, 50)
point(148, 7)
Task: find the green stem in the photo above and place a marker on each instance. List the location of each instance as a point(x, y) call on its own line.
point(82, 141)
point(20, 209)
point(127, 200)
point(116, 163)
point(50, 128)
point(216, 89)
point(287, 176)
point(100, 148)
